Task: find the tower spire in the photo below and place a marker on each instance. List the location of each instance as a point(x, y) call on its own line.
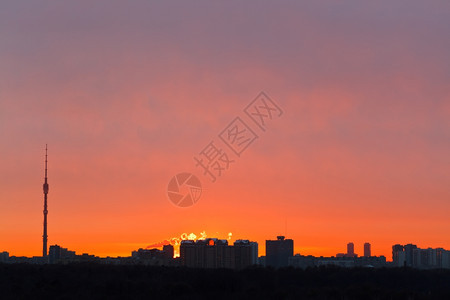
point(44, 236)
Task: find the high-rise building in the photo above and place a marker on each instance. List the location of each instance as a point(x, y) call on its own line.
point(443, 258)
point(245, 253)
point(216, 253)
point(409, 249)
point(168, 251)
point(188, 254)
point(154, 256)
point(425, 258)
point(4, 257)
point(411, 256)
point(398, 257)
point(367, 251)
point(59, 254)
point(278, 252)
point(350, 250)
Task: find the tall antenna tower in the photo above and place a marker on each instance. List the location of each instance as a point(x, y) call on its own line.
point(44, 250)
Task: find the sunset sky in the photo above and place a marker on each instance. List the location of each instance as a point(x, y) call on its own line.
point(126, 93)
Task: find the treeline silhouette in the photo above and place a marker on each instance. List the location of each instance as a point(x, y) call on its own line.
point(88, 281)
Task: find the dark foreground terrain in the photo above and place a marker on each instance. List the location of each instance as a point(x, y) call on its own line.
point(86, 281)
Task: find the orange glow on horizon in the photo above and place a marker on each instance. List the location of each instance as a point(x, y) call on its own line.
point(126, 95)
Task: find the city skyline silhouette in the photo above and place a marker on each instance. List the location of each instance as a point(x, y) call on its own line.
point(258, 149)
point(127, 95)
